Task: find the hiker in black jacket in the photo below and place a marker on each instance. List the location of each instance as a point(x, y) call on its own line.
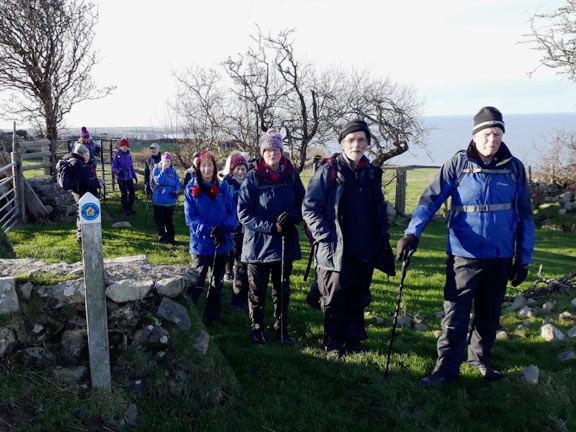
point(83, 177)
point(345, 210)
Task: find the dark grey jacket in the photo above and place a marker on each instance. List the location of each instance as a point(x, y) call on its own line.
point(320, 210)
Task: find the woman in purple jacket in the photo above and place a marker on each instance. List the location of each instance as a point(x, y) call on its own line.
point(123, 170)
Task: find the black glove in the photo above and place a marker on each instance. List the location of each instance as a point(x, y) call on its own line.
point(518, 273)
point(218, 233)
point(406, 246)
point(285, 220)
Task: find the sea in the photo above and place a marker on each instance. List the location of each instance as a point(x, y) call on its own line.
point(528, 136)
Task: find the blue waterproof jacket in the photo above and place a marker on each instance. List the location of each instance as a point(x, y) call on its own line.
point(122, 166)
point(234, 189)
point(163, 183)
point(202, 214)
point(491, 214)
point(259, 204)
point(321, 212)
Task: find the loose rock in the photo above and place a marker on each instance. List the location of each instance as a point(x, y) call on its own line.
point(440, 314)
point(526, 312)
point(379, 320)
point(201, 342)
point(548, 307)
point(26, 290)
point(421, 327)
point(74, 342)
point(121, 225)
point(7, 341)
point(518, 303)
point(551, 333)
point(8, 297)
point(566, 316)
point(404, 321)
point(70, 374)
point(129, 290)
point(502, 335)
point(531, 374)
point(417, 319)
point(567, 355)
point(572, 332)
point(131, 416)
point(174, 312)
point(437, 333)
point(170, 287)
point(573, 302)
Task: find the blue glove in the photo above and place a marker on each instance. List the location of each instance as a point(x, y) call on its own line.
point(174, 194)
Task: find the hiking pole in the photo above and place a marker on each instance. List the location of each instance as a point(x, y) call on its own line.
point(282, 317)
point(208, 291)
point(310, 258)
point(146, 211)
point(405, 265)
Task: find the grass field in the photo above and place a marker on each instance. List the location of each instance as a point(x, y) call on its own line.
point(296, 388)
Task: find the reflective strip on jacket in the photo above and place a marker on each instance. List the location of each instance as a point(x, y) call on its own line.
point(202, 214)
point(164, 182)
point(259, 204)
point(492, 212)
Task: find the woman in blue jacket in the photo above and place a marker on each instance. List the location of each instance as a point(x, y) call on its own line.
point(123, 170)
point(165, 185)
point(269, 207)
point(211, 217)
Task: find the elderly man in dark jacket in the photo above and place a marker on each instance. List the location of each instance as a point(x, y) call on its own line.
point(490, 240)
point(345, 210)
point(269, 207)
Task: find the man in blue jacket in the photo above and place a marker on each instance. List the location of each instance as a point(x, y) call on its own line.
point(345, 211)
point(490, 240)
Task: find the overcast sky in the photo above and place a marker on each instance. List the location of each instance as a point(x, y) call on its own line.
point(458, 54)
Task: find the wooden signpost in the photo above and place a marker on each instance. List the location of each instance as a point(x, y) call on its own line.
point(96, 316)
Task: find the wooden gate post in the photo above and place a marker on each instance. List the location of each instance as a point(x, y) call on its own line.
point(18, 176)
point(401, 191)
point(96, 315)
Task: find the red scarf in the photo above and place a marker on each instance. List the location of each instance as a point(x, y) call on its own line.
point(267, 175)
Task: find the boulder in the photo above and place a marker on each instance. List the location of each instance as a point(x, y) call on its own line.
point(170, 287)
point(129, 290)
point(518, 303)
point(551, 333)
point(8, 297)
point(531, 374)
point(572, 332)
point(502, 335)
point(7, 341)
point(175, 313)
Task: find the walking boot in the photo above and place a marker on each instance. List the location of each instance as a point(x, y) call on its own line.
point(257, 337)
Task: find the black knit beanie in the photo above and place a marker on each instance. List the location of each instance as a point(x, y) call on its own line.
point(355, 126)
point(488, 117)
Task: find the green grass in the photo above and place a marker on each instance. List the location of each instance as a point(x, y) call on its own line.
point(296, 388)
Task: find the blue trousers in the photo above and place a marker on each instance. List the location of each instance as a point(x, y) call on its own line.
point(478, 282)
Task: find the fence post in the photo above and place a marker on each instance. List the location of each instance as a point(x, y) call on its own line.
point(96, 316)
point(46, 147)
point(401, 191)
point(18, 176)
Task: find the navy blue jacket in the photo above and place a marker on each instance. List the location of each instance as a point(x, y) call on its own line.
point(321, 213)
point(259, 204)
point(491, 214)
point(234, 189)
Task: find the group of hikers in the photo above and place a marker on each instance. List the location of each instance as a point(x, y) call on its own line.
point(246, 224)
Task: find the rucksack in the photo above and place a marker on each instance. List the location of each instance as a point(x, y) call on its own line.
point(63, 177)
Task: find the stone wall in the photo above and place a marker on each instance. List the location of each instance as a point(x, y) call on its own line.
point(58, 202)
point(44, 326)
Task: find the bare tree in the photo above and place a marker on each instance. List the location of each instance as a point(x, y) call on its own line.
point(554, 35)
point(46, 58)
point(391, 110)
point(559, 162)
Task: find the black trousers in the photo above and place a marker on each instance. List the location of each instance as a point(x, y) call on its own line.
point(201, 264)
point(481, 282)
point(241, 287)
point(164, 220)
point(344, 296)
point(127, 194)
point(258, 275)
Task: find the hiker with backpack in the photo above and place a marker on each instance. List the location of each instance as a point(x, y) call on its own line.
point(123, 170)
point(345, 210)
point(269, 207)
point(75, 174)
point(211, 216)
point(149, 164)
point(165, 185)
point(92, 148)
point(235, 174)
point(490, 241)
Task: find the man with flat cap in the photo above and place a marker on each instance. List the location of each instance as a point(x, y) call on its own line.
point(345, 210)
point(490, 240)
